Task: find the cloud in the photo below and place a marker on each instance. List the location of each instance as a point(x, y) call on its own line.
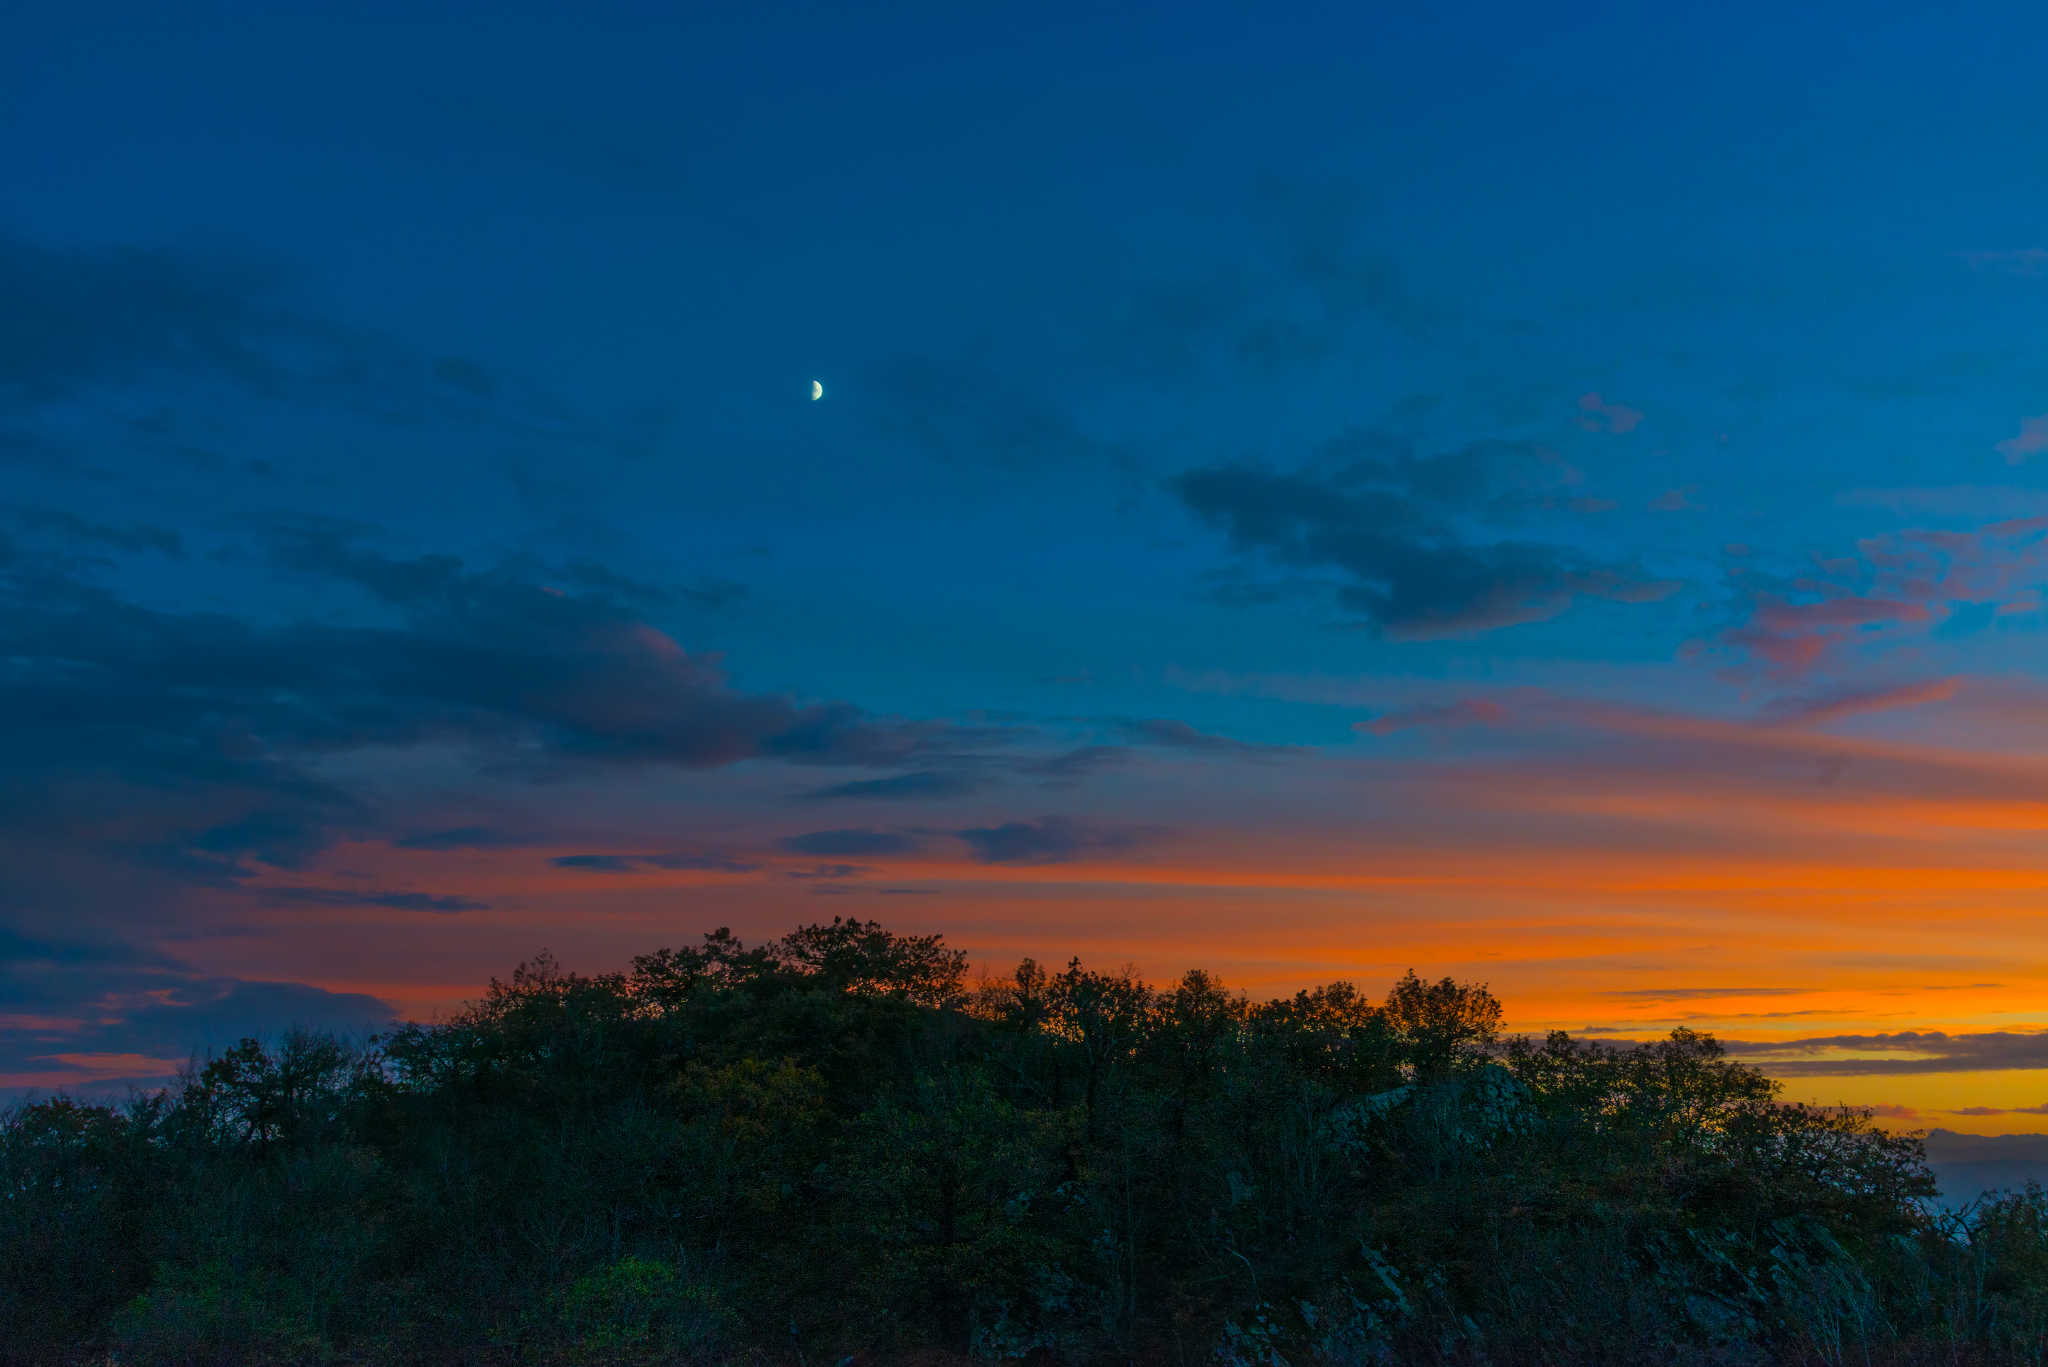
point(955, 410)
point(699, 861)
point(1906, 1052)
point(1595, 415)
point(824, 871)
point(857, 841)
point(1793, 636)
point(1389, 522)
point(1464, 712)
point(1818, 708)
point(2031, 261)
point(136, 536)
point(1950, 500)
point(461, 838)
point(1051, 840)
point(912, 787)
point(344, 897)
point(966, 771)
point(2005, 1110)
point(2032, 440)
point(1179, 735)
point(224, 321)
point(1902, 580)
point(492, 657)
point(1675, 500)
point(163, 766)
point(710, 591)
point(599, 863)
point(1891, 1111)
point(1677, 994)
point(111, 1014)
point(73, 319)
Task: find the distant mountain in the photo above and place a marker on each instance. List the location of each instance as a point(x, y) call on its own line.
point(1968, 1165)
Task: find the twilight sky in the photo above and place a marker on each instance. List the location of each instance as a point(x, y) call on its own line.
point(1548, 494)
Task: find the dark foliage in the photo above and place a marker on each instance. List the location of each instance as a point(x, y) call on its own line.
point(832, 1149)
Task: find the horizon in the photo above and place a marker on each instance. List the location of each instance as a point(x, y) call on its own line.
point(1548, 496)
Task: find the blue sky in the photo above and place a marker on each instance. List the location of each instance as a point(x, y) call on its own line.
point(1346, 443)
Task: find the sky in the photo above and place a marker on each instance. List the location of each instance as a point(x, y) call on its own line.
point(1550, 495)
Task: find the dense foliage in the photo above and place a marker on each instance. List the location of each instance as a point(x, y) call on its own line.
point(834, 1149)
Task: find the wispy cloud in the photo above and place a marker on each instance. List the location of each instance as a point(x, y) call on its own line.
point(2031, 262)
point(1597, 415)
point(2001, 1110)
point(1816, 709)
point(1907, 1051)
point(1898, 582)
point(1463, 712)
point(1054, 840)
point(440, 904)
point(1179, 735)
point(1679, 994)
point(696, 861)
point(2031, 441)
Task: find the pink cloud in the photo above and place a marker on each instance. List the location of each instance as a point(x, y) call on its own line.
point(1675, 500)
point(1464, 712)
point(1620, 417)
point(1792, 636)
point(1892, 1112)
point(2032, 440)
point(1904, 578)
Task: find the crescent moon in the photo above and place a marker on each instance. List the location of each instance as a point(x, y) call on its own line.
point(817, 391)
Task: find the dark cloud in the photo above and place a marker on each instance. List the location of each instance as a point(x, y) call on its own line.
point(857, 841)
point(156, 755)
point(598, 863)
point(955, 410)
point(480, 656)
point(69, 319)
point(461, 838)
point(709, 591)
point(1910, 1051)
point(633, 863)
point(1051, 840)
point(1179, 735)
point(136, 536)
point(1296, 303)
point(825, 871)
point(1320, 223)
point(1070, 767)
point(1393, 525)
point(220, 322)
point(916, 786)
point(968, 771)
point(401, 901)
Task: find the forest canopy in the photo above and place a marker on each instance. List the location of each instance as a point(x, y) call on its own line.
point(838, 1147)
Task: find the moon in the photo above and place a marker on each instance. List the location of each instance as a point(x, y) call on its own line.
point(817, 391)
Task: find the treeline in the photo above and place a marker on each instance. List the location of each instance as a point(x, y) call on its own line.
point(835, 1149)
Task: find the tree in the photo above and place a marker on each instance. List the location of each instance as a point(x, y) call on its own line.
point(862, 958)
point(1444, 1023)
